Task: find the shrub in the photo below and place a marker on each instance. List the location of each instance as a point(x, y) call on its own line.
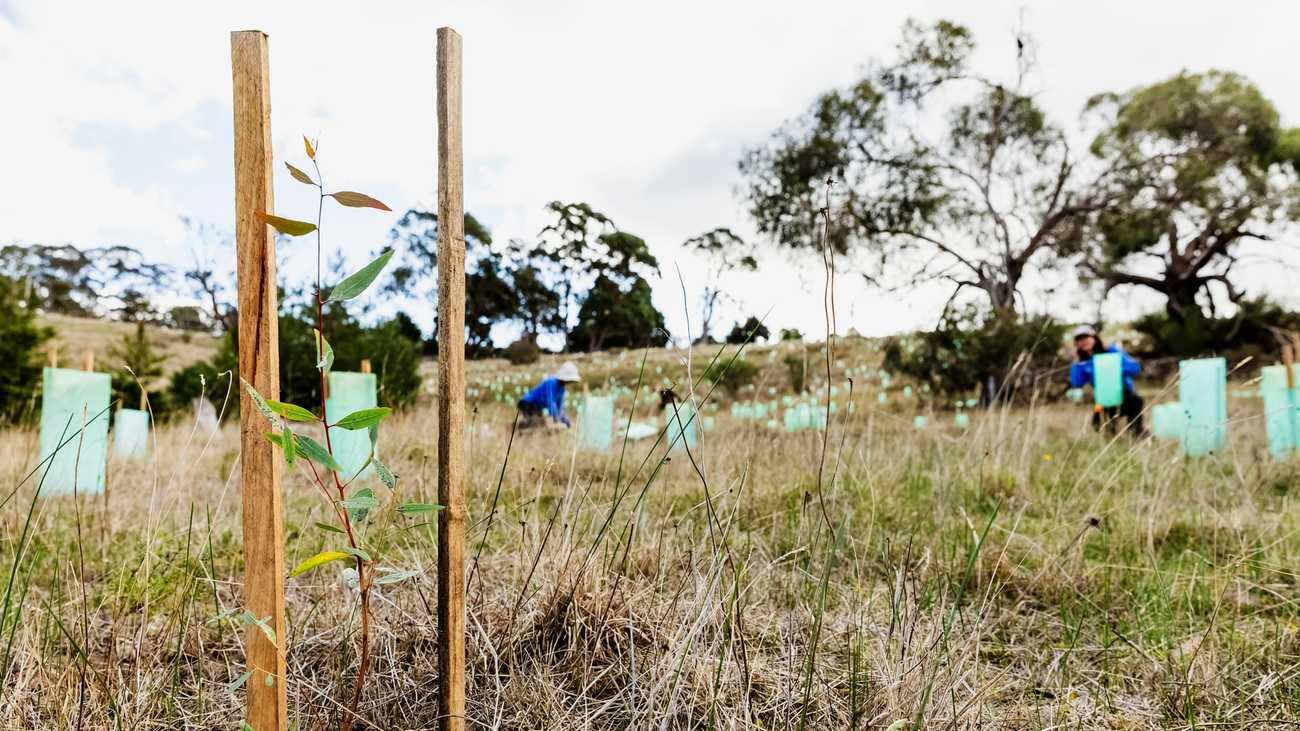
point(732, 376)
point(750, 332)
point(524, 351)
point(972, 346)
point(795, 365)
point(791, 334)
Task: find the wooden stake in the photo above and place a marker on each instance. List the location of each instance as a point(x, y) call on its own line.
point(365, 365)
point(259, 364)
point(1288, 360)
point(88, 360)
point(451, 388)
point(52, 353)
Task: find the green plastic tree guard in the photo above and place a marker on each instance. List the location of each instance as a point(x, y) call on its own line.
point(918, 422)
point(1168, 421)
point(1107, 379)
point(682, 426)
point(1202, 389)
point(596, 423)
point(882, 398)
point(71, 399)
point(962, 420)
point(792, 419)
point(131, 433)
point(907, 392)
point(1280, 411)
point(805, 416)
point(350, 392)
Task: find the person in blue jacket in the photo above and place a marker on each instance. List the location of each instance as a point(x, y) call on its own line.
point(1087, 344)
point(547, 399)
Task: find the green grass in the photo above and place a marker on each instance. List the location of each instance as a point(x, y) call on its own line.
point(1025, 573)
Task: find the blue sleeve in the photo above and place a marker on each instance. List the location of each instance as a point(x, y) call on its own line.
point(1129, 365)
point(1079, 374)
point(555, 401)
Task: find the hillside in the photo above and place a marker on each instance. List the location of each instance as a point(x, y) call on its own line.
point(73, 335)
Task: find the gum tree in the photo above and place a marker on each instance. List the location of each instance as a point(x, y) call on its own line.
point(942, 174)
point(1203, 168)
point(317, 460)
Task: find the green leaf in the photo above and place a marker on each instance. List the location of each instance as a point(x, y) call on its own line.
point(359, 513)
point(385, 475)
point(358, 200)
point(243, 726)
point(417, 508)
point(287, 226)
point(330, 528)
point(313, 451)
point(357, 283)
point(289, 411)
point(374, 439)
point(299, 175)
point(278, 440)
point(237, 683)
point(261, 402)
point(325, 351)
point(358, 552)
point(317, 560)
point(363, 419)
point(287, 438)
point(266, 628)
point(270, 680)
point(223, 615)
point(395, 577)
point(249, 618)
point(360, 503)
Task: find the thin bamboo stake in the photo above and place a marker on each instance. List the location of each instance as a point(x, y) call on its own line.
point(451, 387)
point(259, 364)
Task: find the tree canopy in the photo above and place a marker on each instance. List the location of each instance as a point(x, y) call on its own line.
point(941, 173)
point(1202, 166)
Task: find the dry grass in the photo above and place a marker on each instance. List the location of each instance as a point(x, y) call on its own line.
point(1026, 573)
point(73, 335)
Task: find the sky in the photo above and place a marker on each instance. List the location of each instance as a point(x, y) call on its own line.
point(116, 119)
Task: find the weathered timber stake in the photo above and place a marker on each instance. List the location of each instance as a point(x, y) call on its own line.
point(259, 364)
point(451, 387)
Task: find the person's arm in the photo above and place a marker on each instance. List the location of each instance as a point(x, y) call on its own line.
point(1128, 364)
point(1079, 374)
point(555, 401)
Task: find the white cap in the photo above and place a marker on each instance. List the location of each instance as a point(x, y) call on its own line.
point(568, 372)
point(1082, 330)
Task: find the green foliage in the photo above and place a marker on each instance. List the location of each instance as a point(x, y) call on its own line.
point(138, 367)
point(967, 185)
point(972, 345)
point(751, 331)
point(731, 375)
point(615, 318)
point(83, 283)
point(1251, 332)
point(796, 366)
point(489, 299)
point(1200, 167)
point(20, 343)
point(791, 334)
point(523, 351)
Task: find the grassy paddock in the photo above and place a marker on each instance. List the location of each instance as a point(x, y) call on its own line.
point(1025, 573)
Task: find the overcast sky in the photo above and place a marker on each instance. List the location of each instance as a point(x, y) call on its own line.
point(116, 117)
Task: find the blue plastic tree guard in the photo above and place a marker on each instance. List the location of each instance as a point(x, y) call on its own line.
point(1202, 389)
point(71, 399)
point(131, 434)
point(351, 392)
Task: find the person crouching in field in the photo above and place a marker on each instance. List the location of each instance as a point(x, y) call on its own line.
point(547, 399)
point(1087, 344)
